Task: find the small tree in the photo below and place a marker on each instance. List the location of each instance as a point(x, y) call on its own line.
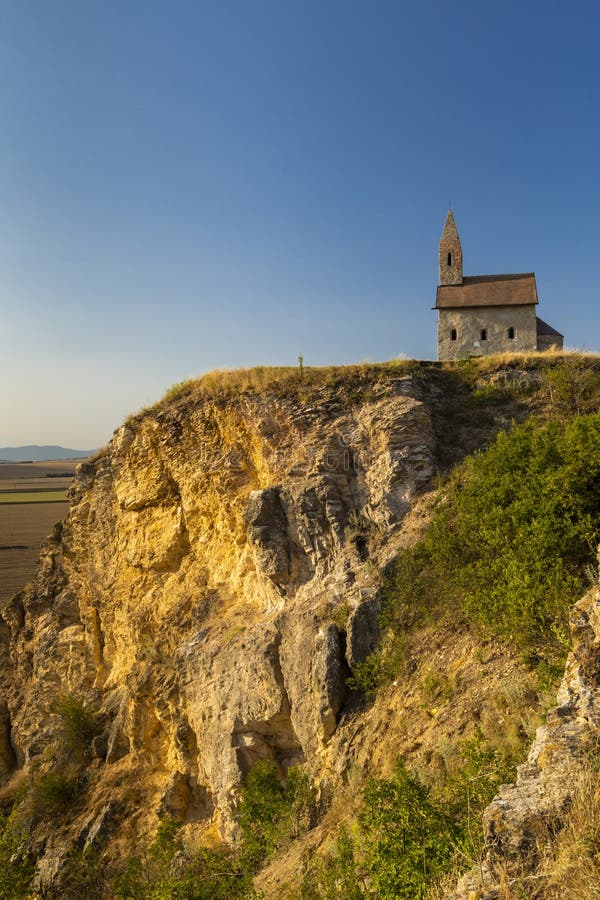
point(272, 814)
point(78, 724)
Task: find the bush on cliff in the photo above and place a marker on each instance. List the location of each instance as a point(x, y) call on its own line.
point(400, 844)
point(17, 863)
point(272, 814)
point(50, 796)
point(168, 872)
point(508, 545)
point(78, 724)
point(408, 835)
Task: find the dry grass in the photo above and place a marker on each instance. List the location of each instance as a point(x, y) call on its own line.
point(222, 384)
point(14, 788)
point(549, 358)
point(290, 381)
point(573, 869)
point(569, 867)
point(282, 381)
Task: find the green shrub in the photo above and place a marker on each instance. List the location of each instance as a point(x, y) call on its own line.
point(167, 872)
point(213, 875)
point(407, 840)
point(83, 873)
point(51, 795)
point(573, 387)
point(407, 834)
point(78, 724)
point(152, 876)
point(382, 665)
point(337, 875)
point(270, 815)
point(466, 791)
point(508, 544)
point(17, 865)
point(403, 841)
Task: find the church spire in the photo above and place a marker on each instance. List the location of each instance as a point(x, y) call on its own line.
point(451, 265)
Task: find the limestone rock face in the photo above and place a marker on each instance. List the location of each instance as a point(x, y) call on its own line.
point(208, 593)
point(267, 530)
point(525, 816)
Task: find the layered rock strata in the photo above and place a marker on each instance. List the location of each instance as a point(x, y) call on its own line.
point(208, 594)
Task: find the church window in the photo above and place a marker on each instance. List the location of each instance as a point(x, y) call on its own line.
point(483, 336)
point(511, 333)
point(449, 259)
point(453, 334)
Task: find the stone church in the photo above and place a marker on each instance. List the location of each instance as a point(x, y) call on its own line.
point(484, 314)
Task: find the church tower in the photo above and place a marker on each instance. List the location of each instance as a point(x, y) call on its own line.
point(451, 263)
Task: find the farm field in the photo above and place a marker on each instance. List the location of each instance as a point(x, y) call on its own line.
point(32, 496)
point(23, 527)
point(32, 501)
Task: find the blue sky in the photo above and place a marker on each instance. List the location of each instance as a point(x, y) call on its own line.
point(192, 185)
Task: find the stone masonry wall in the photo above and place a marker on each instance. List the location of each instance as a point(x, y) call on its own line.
point(496, 321)
point(549, 342)
point(450, 244)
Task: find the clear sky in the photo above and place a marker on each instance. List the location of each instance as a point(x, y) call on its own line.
point(187, 185)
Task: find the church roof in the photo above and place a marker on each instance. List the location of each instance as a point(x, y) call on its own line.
point(450, 232)
point(543, 328)
point(488, 290)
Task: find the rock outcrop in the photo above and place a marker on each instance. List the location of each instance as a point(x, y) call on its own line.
point(525, 817)
point(212, 590)
point(208, 594)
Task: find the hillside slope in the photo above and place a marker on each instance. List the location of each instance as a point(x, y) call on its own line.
point(214, 587)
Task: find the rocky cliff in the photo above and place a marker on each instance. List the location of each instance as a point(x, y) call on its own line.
point(215, 584)
point(209, 594)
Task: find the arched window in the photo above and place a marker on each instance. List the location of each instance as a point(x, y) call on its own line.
point(483, 334)
point(453, 334)
point(511, 333)
point(449, 259)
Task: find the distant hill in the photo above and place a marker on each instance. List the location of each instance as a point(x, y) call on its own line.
point(34, 453)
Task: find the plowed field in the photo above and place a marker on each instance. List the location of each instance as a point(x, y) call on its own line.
point(32, 501)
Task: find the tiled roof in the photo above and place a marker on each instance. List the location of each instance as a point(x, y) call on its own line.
point(543, 328)
point(488, 290)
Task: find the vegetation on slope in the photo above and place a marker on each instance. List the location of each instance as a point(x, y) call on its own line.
point(408, 834)
point(512, 533)
point(507, 549)
point(511, 544)
point(271, 815)
point(571, 379)
point(506, 552)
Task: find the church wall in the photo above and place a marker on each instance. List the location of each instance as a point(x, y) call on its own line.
point(496, 321)
point(549, 342)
